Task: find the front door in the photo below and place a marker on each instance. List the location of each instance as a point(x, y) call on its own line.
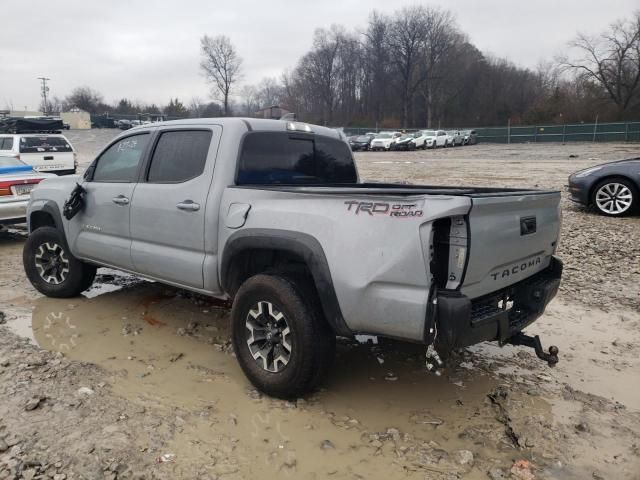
point(100, 231)
point(168, 207)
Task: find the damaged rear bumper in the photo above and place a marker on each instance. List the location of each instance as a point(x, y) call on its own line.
point(499, 315)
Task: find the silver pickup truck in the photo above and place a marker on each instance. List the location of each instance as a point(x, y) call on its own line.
point(272, 215)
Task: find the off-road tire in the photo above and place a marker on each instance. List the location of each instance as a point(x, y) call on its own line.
point(79, 275)
point(312, 340)
point(620, 181)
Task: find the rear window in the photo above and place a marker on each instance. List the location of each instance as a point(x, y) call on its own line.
point(35, 144)
point(290, 159)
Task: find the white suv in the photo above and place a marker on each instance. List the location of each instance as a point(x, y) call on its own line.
point(43, 151)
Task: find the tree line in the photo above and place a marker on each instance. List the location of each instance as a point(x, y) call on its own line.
point(415, 68)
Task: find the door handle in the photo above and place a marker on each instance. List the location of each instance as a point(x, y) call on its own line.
point(121, 200)
point(189, 206)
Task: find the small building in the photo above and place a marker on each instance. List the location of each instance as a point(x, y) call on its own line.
point(76, 119)
point(273, 112)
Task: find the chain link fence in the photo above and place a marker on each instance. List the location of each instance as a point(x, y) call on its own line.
point(579, 132)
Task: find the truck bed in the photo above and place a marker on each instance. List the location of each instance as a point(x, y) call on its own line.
point(398, 189)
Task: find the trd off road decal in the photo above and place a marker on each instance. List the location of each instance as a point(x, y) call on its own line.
point(402, 210)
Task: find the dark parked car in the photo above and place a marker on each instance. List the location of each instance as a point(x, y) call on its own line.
point(405, 142)
point(124, 124)
point(469, 137)
point(611, 188)
point(360, 142)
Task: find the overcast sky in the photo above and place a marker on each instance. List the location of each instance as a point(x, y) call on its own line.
point(150, 50)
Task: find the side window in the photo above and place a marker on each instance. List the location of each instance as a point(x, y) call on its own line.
point(179, 156)
point(121, 160)
point(6, 143)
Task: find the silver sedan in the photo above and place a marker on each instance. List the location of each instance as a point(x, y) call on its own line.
point(17, 179)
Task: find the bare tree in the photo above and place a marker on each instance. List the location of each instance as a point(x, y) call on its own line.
point(269, 92)
point(611, 61)
point(84, 98)
point(439, 55)
point(376, 59)
point(406, 42)
point(221, 65)
point(319, 70)
point(250, 103)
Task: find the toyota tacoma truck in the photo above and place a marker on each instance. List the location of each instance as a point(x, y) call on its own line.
point(272, 216)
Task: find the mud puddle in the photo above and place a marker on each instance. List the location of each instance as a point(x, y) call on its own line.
point(598, 352)
point(380, 414)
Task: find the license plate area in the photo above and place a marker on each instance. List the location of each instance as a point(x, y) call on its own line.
point(23, 189)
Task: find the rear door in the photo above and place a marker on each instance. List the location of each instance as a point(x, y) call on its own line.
point(168, 208)
point(100, 231)
point(47, 153)
point(512, 236)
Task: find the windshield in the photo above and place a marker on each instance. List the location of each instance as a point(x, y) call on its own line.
point(33, 144)
point(11, 162)
point(429, 133)
point(404, 137)
point(384, 135)
point(362, 138)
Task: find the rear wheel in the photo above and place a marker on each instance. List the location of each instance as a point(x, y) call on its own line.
point(282, 342)
point(50, 266)
point(615, 197)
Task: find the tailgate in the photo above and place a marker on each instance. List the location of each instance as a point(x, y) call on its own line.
point(511, 238)
point(49, 161)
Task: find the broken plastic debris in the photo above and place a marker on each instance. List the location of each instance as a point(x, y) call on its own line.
point(167, 457)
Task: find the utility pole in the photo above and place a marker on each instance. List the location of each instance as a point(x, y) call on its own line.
point(44, 92)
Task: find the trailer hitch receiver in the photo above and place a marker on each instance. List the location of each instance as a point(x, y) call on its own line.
point(534, 342)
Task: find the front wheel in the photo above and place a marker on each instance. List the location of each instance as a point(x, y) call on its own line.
point(50, 266)
point(282, 342)
point(615, 197)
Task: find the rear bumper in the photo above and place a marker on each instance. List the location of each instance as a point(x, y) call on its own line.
point(462, 322)
point(13, 212)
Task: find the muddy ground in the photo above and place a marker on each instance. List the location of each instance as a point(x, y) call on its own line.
point(137, 380)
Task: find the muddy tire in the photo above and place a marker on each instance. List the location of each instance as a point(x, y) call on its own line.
point(282, 342)
point(50, 266)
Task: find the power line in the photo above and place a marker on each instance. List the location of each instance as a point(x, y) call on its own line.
point(44, 91)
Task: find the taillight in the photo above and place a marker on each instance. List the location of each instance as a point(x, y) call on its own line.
point(5, 187)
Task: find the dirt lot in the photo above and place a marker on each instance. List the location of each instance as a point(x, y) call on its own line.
point(137, 380)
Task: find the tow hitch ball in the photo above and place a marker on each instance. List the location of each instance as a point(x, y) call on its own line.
point(534, 342)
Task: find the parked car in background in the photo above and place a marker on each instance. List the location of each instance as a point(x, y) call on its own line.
point(470, 137)
point(384, 140)
point(420, 139)
point(124, 124)
point(43, 151)
point(613, 189)
point(17, 179)
point(360, 142)
point(457, 139)
point(405, 142)
point(441, 139)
